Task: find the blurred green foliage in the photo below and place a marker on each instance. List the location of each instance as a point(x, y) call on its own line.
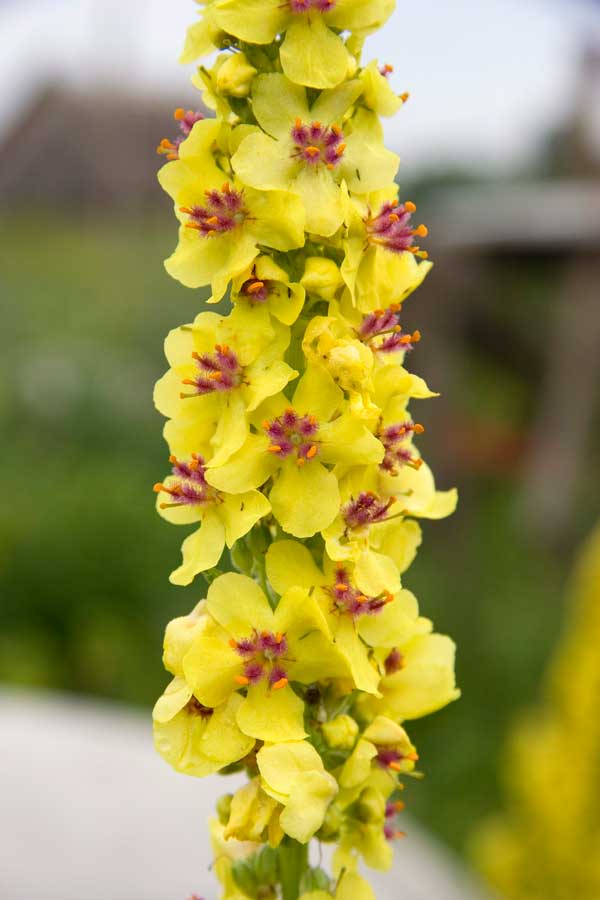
point(84, 560)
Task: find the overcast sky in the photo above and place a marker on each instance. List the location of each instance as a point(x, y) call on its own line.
point(487, 77)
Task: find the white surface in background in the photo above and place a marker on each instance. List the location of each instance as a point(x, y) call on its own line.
point(488, 77)
point(90, 812)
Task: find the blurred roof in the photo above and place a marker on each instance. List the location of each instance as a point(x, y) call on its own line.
point(555, 215)
point(77, 150)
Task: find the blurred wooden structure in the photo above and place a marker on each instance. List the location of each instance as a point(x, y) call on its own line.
point(82, 152)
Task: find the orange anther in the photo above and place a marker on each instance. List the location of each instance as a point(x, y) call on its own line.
point(399, 834)
point(336, 129)
point(232, 643)
point(312, 151)
point(362, 599)
point(274, 448)
point(279, 637)
point(399, 805)
point(300, 462)
point(298, 122)
point(340, 149)
point(342, 587)
point(397, 328)
point(395, 307)
point(419, 429)
point(179, 114)
point(417, 463)
point(395, 766)
point(189, 381)
point(241, 679)
point(193, 225)
point(255, 287)
point(158, 487)
point(173, 459)
point(394, 217)
point(226, 188)
point(266, 424)
point(216, 376)
point(405, 96)
point(414, 757)
point(280, 684)
point(315, 125)
point(214, 220)
point(394, 202)
point(311, 452)
point(410, 207)
point(416, 337)
point(421, 231)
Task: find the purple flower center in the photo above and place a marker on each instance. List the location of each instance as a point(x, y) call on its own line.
point(256, 291)
point(392, 808)
point(398, 452)
point(218, 372)
point(382, 331)
point(304, 6)
point(291, 433)
point(223, 212)
point(189, 486)
point(263, 654)
point(187, 120)
point(348, 600)
point(366, 509)
point(391, 228)
point(195, 708)
point(391, 758)
point(316, 143)
point(394, 662)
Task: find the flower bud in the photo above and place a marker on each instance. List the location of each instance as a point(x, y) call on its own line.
point(330, 829)
point(321, 277)
point(349, 363)
point(341, 732)
point(370, 807)
point(224, 808)
point(235, 75)
point(315, 880)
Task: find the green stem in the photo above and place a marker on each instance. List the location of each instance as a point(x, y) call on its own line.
point(293, 861)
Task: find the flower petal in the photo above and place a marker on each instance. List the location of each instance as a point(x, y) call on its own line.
point(246, 469)
point(255, 21)
point(269, 715)
point(241, 512)
point(201, 550)
point(277, 103)
point(262, 163)
point(305, 500)
point(291, 564)
point(365, 675)
point(210, 667)
point(312, 54)
point(322, 199)
point(237, 603)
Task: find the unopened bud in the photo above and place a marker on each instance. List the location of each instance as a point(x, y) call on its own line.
point(321, 277)
point(341, 732)
point(235, 75)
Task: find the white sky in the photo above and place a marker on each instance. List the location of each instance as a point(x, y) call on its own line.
point(487, 77)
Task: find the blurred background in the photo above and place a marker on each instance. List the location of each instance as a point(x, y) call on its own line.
point(500, 147)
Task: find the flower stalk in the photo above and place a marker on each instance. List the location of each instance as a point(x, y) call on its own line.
point(293, 453)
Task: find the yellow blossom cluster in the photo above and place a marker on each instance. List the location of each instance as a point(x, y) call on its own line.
point(291, 444)
point(546, 845)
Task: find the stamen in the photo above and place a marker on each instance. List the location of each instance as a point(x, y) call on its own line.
point(292, 434)
point(189, 486)
point(384, 324)
point(391, 228)
point(398, 452)
point(317, 143)
point(218, 372)
point(186, 121)
point(367, 509)
point(223, 212)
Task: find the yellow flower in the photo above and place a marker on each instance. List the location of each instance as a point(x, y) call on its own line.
point(254, 815)
point(226, 852)
point(384, 748)
point(312, 52)
point(306, 150)
point(300, 441)
point(222, 222)
point(377, 93)
point(351, 886)
point(388, 267)
point(179, 635)
point(363, 830)
point(234, 75)
point(321, 277)
point(293, 774)
point(186, 497)
point(419, 677)
point(221, 370)
point(266, 290)
point(371, 531)
point(356, 621)
point(195, 739)
point(262, 652)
